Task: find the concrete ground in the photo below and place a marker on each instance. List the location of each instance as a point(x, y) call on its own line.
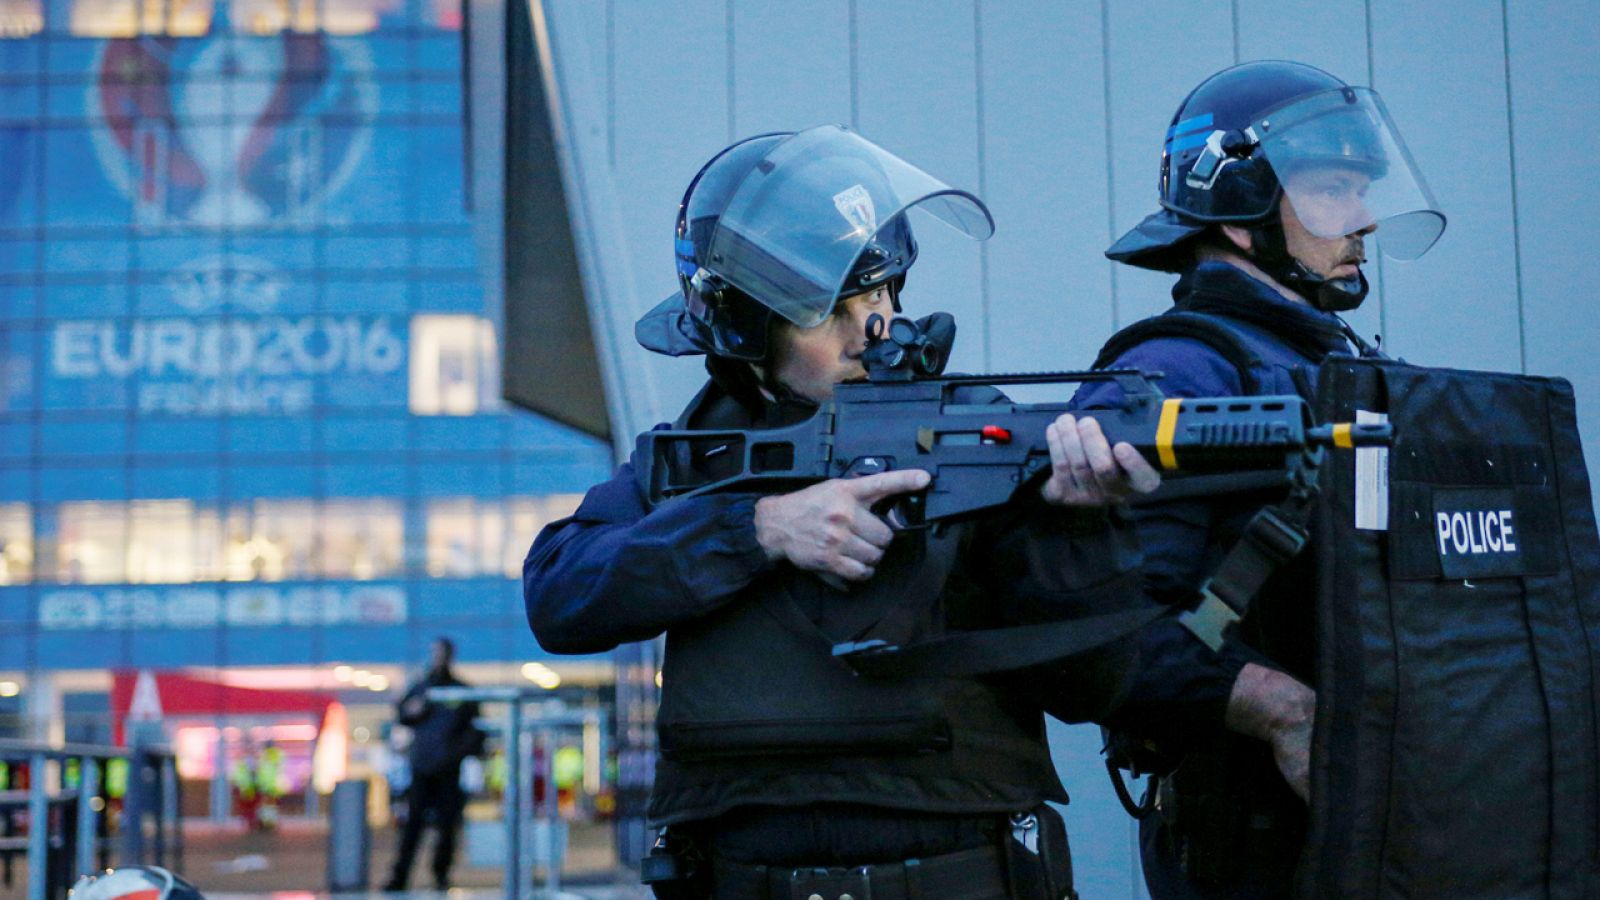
point(228, 863)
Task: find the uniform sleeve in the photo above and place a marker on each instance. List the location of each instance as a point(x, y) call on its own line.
point(1180, 689)
point(615, 572)
point(403, 713)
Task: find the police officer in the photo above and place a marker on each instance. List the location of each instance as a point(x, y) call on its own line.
point(1275, 179)
point(782, 773)
point(442, 737)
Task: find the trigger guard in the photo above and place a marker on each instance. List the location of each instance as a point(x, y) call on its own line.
point(890, 511)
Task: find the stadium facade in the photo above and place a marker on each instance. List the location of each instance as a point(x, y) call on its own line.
point(249, 376)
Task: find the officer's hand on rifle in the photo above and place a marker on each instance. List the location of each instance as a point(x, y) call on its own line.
point(1085, 470)
point(829, 527)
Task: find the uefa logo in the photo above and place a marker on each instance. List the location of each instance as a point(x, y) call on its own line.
point(232, 130)
point(237, 282)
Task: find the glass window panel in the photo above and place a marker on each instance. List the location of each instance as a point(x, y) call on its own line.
point(273, 16)
point(452, 538)
point(366, 296)
point(436, 160)
point(438, 98)
point(361, 539)
point(373, 180)
point(83, 186)
point(356, 16)
point(441, 53)
point(172, 542)
point(446, 14)
point(92, 543)
point(455, 368)
point(20, 154)
point(270, 540)
point(20, 18)
point(16, 369)
point(465, 537)
point(16, 543)
point(21, 57)
point(127, 18)
point(19, 258)
point(187, 265)
point(18, 301)
point(528, 516)
point(67, 257)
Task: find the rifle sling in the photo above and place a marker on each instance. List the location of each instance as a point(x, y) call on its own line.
point(968, 653)
point(1273, 537)
point(1276, 533)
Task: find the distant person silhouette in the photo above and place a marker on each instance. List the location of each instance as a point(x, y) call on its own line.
point(442, 735)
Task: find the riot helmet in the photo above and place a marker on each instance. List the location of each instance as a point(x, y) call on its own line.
point(1257, 132)
point(133, 883)
point(784, 225)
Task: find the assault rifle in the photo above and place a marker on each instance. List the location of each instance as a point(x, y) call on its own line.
point(980, 453)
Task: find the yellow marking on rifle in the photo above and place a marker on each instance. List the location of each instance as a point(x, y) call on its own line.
point(1166, 429)
point(1341, 436)
point(924, 439)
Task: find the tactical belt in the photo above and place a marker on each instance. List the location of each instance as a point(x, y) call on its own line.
point(976, 872)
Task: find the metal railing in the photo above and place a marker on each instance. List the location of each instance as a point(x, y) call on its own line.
point(69, 818)
point(528, 735)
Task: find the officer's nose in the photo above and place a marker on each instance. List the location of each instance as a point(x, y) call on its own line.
point(856, 323)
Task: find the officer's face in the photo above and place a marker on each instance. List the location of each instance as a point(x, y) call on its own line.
point(1331, 202)
point(810, 361)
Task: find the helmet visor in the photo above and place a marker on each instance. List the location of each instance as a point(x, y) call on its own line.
point(819, 202)
point(1344, 167)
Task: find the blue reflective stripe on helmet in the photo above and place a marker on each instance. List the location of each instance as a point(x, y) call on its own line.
point(1188, 125)
point(1178, 145)
point(686, 264)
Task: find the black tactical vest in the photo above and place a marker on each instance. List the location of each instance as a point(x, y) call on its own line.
point(756, 710)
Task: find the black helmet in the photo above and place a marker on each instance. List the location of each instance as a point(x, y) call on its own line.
point(786, 224)
point(1251, 133)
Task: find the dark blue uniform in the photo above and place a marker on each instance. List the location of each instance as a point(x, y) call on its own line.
point(771, 740)
point(1180, 696)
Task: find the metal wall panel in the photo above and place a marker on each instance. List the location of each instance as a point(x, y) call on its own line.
point(1155, 53)
point(1457, 305)
point(669, 115)
point(1042, 90)
point(791, 66)
point(1555, 101)
point(916, 93)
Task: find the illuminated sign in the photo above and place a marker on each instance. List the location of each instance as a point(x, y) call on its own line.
point(223, 130)
point(203, 606)
point(246, 362)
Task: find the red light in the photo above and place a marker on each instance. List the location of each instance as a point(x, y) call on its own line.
point(994, 434)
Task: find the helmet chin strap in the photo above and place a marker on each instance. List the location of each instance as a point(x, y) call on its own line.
point(1271, 254)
